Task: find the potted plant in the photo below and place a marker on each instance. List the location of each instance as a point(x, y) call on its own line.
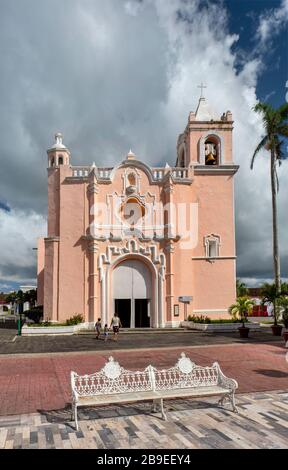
point(283, 301)
point(270, 295)
point(241, 310)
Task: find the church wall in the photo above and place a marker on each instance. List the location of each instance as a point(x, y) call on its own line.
point(72, 250)
point(214, 282)
point(40, 271)
point(53, 202)
point(51, 279)
point(214, 287)
point(216, 212)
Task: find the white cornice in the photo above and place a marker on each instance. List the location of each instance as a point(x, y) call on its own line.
point(219, 170)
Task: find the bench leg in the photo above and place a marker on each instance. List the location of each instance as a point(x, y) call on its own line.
point(164, 416)
point(76, 418)
point(223, 399)
point(155, 403)
point(232, 400)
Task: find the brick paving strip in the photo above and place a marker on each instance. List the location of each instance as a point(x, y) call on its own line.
point(40, 383)
point(262, 422)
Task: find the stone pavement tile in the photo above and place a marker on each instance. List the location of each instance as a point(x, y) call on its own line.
point(3, 436)
point(41, 439)
point(194, 428)
point(67, 444)
point(9, 444)
point(58, 441)
point(33, 437)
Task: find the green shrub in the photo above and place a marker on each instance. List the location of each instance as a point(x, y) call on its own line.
point(205, 319)
point(221, 320)
point(199, 319)
point(75, 320)
point(35, 314)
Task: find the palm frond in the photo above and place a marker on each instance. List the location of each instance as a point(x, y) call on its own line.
point(282, 130)
point(258, 148)
point(283, 111)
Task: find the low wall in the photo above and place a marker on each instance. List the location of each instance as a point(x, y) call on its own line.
point(220, 327)
point(55, 330)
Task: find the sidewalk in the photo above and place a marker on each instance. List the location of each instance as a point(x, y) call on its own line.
point(262, 423)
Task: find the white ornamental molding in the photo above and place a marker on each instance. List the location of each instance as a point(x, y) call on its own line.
point(93, 188)
point(93, 247)
point(132, 247)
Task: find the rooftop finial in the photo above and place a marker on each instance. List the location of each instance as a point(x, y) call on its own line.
point(131, 155)
point(202, 86)
point(59, 138)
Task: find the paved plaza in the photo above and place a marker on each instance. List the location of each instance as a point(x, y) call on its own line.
point(10, 343)
point(35, 393)
point(262, 423)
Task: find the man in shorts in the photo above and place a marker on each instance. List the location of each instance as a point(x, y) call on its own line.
point(115, 325)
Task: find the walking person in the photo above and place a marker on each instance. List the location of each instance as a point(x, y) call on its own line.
point(98, 328)
point(115, 325)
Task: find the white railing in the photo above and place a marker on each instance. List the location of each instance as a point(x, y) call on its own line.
point(158, 173)
point(80, 171)
point(104, 173)
point(180, 173)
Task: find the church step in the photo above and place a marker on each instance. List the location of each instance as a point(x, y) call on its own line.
point(139, 331)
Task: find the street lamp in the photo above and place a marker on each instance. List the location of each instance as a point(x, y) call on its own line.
point(20, 307)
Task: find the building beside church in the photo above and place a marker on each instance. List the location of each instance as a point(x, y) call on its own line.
point(138, 240)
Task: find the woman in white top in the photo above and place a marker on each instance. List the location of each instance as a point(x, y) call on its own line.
point(115, 325)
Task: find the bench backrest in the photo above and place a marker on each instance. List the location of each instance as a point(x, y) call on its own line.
point(112, 378)
point(186, 374)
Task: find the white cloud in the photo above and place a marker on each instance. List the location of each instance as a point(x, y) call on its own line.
point(112, 76)
point(271, 22)
point(19, 231)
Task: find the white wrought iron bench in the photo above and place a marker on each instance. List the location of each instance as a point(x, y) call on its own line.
point(115, 385)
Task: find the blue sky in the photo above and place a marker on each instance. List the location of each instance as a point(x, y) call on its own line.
point(116, 75)
point(243, 20)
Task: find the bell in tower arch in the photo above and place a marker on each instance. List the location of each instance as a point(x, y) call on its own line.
point(211, 157)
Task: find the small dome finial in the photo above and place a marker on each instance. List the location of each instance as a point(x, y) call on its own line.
point(59, 138)
point(131, 155)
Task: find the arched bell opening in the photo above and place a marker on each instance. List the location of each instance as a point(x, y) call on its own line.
point(212, 151)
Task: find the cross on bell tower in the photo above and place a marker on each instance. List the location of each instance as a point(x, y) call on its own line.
point(202, 86)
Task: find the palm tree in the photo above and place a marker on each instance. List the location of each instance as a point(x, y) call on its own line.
point(241, 309)
point(276, 127)
point(270, 294)
point(283, 302)
point(241, 288)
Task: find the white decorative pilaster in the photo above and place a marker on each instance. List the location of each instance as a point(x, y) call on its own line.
point(93, 248)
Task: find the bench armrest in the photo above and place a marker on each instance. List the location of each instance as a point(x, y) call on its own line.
point(224, 381)
point(73, 376)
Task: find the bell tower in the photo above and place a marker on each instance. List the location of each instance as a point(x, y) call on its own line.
point(207, 139)
point(58, 154)
point(58, 169)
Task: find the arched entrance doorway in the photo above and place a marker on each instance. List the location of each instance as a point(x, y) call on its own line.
point(132, 293)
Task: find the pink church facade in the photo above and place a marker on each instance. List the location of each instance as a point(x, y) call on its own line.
point(136, 239)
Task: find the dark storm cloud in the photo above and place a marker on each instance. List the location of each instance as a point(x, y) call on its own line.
point(114, 75)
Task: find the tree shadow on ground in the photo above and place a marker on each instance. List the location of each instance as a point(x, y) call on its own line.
point(271, 373)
